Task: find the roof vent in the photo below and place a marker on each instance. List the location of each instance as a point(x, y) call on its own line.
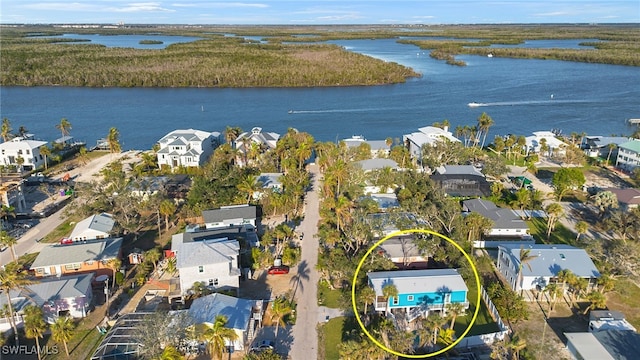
point(563, 257)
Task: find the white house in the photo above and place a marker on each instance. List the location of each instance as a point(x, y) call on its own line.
point(603, 320)
point(98, 226)
point(427, 135)
point(256, 137)
point(243, 316)
point(506, 223)
point(403, 251)
point(268, 181)
point(26, 149)
point(231, 215)
point(214, 262)
point(65, 296)
point(188, 148)
point(378, 147)
point(604, 345)
point(628, 155)
point(543, 269)
point(534, 143)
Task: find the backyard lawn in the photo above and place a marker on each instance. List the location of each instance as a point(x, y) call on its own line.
point(330, 336)
point(626, 298)
point(484, 322)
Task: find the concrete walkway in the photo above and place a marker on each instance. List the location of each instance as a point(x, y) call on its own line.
point(304, 332)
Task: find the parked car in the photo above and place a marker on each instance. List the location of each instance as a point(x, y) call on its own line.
point(262, 346)
point(66, 241)
point(278, 270)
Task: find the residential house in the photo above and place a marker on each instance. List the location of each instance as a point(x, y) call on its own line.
point(213, 262)
point(377, 164)
point(604, 345)
point(23, 150)
point(243, 316)
point(543, 268)
point(385, 202)
point(196, 233)
point(628, 155)
point(12, 194)
point(65, 296)
point(385, 223)
point(268, 181)
point(419, 291)
point(507, 227)
point(98, 226)
point(186, 148)
point(599, 146)
point(78, 258)
point(378, 147)
point(461, 181)
point(627, 198)
point(256, 138)
point(602, 320)
point(553, 144)
point(227, 216)
point(427, 135)
point(403, 251)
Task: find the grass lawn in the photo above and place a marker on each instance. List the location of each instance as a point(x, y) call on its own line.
point(330, 336)
point(626, 298)
point(59, 232)
point(561, 235)
point(484, 323)
point(327, 297)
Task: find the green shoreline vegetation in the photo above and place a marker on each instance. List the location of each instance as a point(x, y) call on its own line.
point(290, 58)
point(150, 42)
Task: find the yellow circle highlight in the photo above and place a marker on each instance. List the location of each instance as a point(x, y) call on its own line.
point(355, 279)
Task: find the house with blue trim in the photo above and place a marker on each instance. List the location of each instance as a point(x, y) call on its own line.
point(419, 291)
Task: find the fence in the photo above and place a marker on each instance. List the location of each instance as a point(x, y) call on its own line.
point(486, 339)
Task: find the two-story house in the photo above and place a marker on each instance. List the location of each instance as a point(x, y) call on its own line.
point(187, 148)
point(628, 155)
point(213, 262)
point(543, 268)
point(254, 141)
point(22, 151)
point(461, 181)
point(78, 258)
point(377, 147)
point(507, 226)
point(419, 291)
point(427, 135)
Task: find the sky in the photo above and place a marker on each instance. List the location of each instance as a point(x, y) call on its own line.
point(317, 12)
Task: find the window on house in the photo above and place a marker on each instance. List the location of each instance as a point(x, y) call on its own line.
point(410, 298)
point(72, 267)
point(210, 282)
point(396, 300)
point(200, 269)
point(215, 282)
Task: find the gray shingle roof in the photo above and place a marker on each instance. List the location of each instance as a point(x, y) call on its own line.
point(95, 250)
point(418, 281)
point(236, 310)
point(231, 212)
point(502, 218)
point(207, 252)
point(621, 344)
point(231, 233)
point(550, 259)
point(377, 163)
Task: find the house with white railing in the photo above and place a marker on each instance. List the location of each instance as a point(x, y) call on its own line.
point(186, 148)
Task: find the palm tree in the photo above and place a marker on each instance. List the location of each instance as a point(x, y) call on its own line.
point(343, 211)
point(231, 134)
point(484, 123)
point(553, 291)
point(389, 291)
point(597, 301)
point(10, 241)
point(11, 279)
point(171, 353)
point(114, 264)
point(46, 152)
point(167, 208)
point(446, 336)
point(216, 335)
point(515, 346)
point(453, 310)
point(64, 127)
point(525, 258)
point(82, 155)
point(113, 139)
point(280, 308)
point(34, 325)
point(249, 185)
point(367, 296)
point(62, 331)
point(565, 276)
point(581, 228)
point(611, 147)
point(172, 265)
point(153, 256)
point(606, 283)
point(5, 131)
point(554, 212)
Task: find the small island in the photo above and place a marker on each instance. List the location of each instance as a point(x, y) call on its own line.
point(150, 42)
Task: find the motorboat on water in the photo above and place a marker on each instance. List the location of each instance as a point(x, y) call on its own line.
point(290, 111)
point(474, 104)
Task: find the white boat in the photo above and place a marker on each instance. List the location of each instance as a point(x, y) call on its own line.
point(290, 111)
point(474, 104)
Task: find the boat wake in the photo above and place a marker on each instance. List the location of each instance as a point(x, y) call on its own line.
point(533, 102)
point(335, 111)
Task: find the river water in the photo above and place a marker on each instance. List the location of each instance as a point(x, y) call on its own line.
point(520, 95)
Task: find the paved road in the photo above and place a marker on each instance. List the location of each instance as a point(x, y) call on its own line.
point(27, 242)
point(305, 335)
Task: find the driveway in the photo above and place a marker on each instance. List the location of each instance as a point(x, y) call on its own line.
point(304, 333)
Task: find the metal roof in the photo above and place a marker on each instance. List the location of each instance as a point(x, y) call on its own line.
point(377, 163)
point(50, 289)
point(230, 212)
point(418, 281)
point(586, 345)
point(236, 310)
point(93, 250)
point(633, 145)
point(207, 252)
point(549, 260)
point(101, 222)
